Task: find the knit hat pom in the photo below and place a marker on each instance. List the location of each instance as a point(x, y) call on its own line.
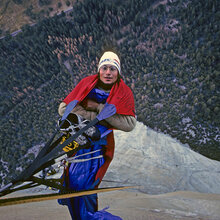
point(110, 58)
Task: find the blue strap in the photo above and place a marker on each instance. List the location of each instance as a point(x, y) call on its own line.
point(69, 108)
point(107, 111)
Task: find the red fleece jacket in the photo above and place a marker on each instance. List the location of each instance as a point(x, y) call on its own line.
point(120, 96)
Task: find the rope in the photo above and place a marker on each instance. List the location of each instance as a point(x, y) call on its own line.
point(72, 160)
point(91, 152)
point(65, 157)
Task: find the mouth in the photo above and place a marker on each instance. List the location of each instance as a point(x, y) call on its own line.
point(108, 78)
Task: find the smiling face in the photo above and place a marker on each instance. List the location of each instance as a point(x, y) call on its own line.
point(108, 74)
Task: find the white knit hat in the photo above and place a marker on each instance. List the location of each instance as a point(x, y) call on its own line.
point(110, 58)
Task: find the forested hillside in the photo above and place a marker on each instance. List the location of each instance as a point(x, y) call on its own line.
point(16, 13)
point(169, 52)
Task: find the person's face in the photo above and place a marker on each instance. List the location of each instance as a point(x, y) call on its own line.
point(108, 74)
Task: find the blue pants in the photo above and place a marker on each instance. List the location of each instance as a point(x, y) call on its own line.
point(81, 176)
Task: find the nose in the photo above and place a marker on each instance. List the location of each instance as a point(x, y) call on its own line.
point(108, 71)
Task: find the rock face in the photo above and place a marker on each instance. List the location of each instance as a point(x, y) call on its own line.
point(181, 205)
point(160, 164)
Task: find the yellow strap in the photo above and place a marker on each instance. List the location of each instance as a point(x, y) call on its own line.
point(71, 146)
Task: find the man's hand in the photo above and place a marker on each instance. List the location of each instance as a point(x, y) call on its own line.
point(90, 105)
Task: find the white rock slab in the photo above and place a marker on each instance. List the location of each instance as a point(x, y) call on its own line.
point(161, 164)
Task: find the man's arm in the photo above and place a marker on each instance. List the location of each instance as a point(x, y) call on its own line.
point(91, 109)
point(79, 110)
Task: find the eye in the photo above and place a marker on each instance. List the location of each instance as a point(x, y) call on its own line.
point(104, 68)
point(112, 68)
